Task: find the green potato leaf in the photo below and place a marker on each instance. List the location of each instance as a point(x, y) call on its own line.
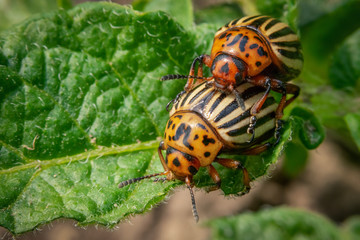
point(219, 14)
point(283, 9)
point(182, 11)
point(344, 72)
point(353, 123)
point(15, 11)
point(295, 159)
point(82, 109)
point(310, 131)
point(351, 228)
point(318, 27)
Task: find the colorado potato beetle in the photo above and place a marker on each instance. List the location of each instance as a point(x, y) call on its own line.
point(259, 50)
point(204, 123)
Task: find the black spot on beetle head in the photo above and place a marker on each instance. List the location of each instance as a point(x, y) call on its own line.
point(207, 154)
point(192, 170)
point(225, 68)
point(176, 162)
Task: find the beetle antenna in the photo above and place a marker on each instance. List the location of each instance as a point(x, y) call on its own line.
point(178, 76)
point(194, 211)
point(134, 180)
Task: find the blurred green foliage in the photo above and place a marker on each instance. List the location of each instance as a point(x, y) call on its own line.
point(15, 11)
point(282, 224)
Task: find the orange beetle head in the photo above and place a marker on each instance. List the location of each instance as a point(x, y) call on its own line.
point(181, 164)
point(228, 70)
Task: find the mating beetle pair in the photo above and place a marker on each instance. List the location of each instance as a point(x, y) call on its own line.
point(231, 111)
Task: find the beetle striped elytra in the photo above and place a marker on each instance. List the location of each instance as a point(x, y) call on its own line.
point(203, 124)
point(259, 50)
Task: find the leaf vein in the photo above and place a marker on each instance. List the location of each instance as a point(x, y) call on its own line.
point(62, 108)
point(14, 150)
point(146, 111)
point(99, 152)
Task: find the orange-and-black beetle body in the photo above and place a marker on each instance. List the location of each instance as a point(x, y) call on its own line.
point(204, 123)
point(259, 50)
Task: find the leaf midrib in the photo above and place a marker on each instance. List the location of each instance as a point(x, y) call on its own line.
point(88, 155)
point(26, 83)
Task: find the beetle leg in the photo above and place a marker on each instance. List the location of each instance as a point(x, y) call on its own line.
point(284, 89)
point(277, 86)
point(175, 100)
point(255, 109)
point(291, 89)
point(263, 147)
point(251, 128)
point(169, 174)
point(238, 97)
point(201, 59)
point(215, 177)
point(200, 68)
point(230, 163)
point(257, 106)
